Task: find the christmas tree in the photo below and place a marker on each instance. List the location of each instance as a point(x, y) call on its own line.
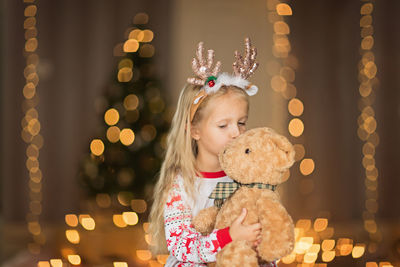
point(125, 158)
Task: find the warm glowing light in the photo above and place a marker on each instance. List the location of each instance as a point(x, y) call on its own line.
point(153, 263)
point(29, 90)
point(366, 21)
point(103, 200)
point(370, 226)
point(315, 248)
point(34, 228)
point(370, 70)
point(130, 218)
point(67, 251)
point(346, 249)
point(328, 244)
point(320, 224)
point(81, 216)
point(131, 102)
point(88, 223)
point(56, 263)
point(74, 259)
point(111, 116)
point(125, 63)
point(305, 224)
point(371, 264)
point(148, 239)
point(120, 264)
point(32, 151)
point(113, 134)
point(30, 11)
point(72, 236)
point(127, 136)
point(146, 50)
point(148, 36)
point(137, 35)
point(31, 45)
point(162, 259)
point(280, 27)
point(289, 258)
point(43, 264)
point(358, 251)
point(139, 205)
point(29, 22)
point(307, 166)
point(296, 127)
point(296, 107)
point(146, 227)
point(125, 74)
point(278, 83)
point(131, 46)
point(367, 43)
point(143, 255)
point(71, 220)
point(283, 9)
point(366, 9)
point(125, 198)
point(328, 256)
point(303, 244)
point(370, 124)
point(368, 149)
point(310, 257)
point(97, 147)
point(34, 127)
point(119, 221)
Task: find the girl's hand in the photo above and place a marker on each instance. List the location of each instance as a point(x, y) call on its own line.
point(250, 233)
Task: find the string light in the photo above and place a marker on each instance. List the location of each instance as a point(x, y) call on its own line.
point(282, 69)
point(367, 124)
point(31, 128)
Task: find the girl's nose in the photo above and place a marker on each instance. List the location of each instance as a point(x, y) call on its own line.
point(235, 131)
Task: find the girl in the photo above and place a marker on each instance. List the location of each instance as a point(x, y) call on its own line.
point(211, 112)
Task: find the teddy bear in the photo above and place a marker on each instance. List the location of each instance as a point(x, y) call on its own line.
point(257, 161)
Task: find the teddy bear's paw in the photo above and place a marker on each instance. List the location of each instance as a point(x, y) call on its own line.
point(205, 220)
point(237, 254)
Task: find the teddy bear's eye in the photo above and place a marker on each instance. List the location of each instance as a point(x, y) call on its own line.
point(247, 151)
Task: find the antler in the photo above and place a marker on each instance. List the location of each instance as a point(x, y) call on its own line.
point(245, 67)
point(202, 68)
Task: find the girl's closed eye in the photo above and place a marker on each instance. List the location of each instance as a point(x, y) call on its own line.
point(222, 126)
point(242, 123)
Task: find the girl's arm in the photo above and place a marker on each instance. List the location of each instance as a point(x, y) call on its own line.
point(183, 241)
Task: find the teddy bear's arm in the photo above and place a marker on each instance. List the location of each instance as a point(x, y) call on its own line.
point(277, 234)
point(204, 221)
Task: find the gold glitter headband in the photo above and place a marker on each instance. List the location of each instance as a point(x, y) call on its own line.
point(212, 81)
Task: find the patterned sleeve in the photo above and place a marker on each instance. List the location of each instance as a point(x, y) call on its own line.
point(183, 241)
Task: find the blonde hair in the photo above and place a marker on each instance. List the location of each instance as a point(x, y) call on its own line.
point(180, 158)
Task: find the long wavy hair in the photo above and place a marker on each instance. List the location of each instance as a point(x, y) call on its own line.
point(180, 158)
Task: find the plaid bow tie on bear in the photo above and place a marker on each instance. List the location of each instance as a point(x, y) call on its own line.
point(224, 190)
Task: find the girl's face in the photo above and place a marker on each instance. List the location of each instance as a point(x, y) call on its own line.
point(224, 119)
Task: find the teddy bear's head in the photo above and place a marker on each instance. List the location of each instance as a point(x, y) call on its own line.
point(259, 155)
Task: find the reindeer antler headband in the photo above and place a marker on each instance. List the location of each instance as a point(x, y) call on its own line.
point(207, 76)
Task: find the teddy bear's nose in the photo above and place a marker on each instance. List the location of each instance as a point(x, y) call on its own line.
point(247, 151)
